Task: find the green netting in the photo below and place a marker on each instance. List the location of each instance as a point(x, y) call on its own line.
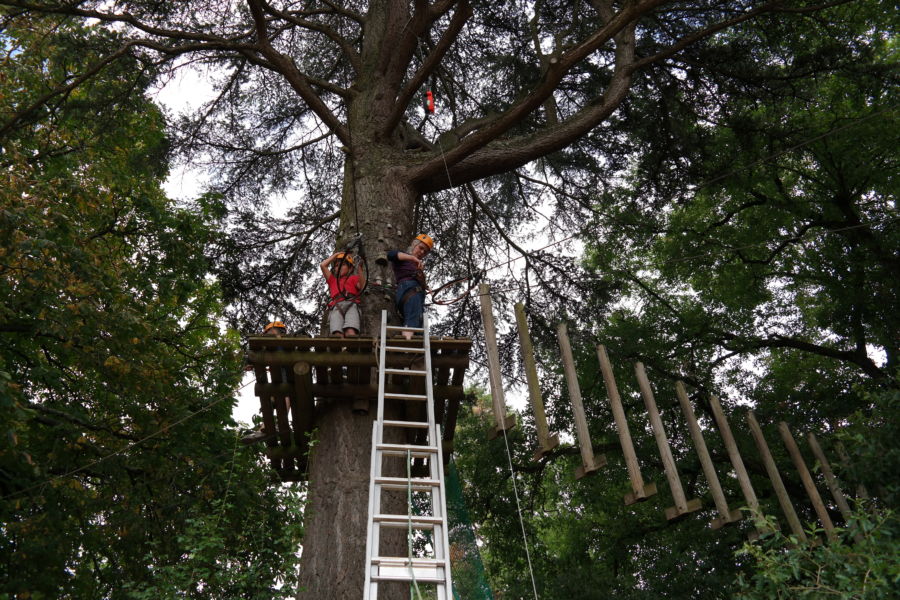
point(465, 560)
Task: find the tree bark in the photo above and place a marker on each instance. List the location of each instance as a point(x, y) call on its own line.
point(378, 202)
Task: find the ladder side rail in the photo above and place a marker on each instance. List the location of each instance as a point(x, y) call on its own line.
point(434, 439)
point(371, 529)
point(381, 365)
point(429, 384)
point(438, 496)
point(444, 553)
point(374, 528)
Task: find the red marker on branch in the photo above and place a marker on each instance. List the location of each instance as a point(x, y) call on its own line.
point(429, 101)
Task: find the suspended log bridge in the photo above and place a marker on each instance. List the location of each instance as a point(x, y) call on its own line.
point(294, 375)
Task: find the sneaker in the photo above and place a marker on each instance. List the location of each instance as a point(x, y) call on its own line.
point(256, 437)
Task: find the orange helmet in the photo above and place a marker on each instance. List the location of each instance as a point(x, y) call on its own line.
point(343, 256)
point(423, 237)
point(272, 325)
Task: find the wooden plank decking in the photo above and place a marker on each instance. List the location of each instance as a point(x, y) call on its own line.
point(294, 373)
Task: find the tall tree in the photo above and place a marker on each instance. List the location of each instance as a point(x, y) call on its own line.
point(119, 475)
point(305, 87)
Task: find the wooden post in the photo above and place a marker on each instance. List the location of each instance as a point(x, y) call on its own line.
point(739, 469)
point(783, 499)
point(502, 421)
point(639, 490)
point(682, 506)
point(807, 479)
point(830, 479)
point(589, 463)
point(546, 441)
point(302, 410)
point(726, 515)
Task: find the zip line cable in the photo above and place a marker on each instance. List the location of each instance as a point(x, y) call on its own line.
point(512, 472)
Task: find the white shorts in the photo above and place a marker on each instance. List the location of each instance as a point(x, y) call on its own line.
point(344, 315)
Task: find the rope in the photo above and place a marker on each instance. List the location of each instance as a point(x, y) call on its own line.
point(412, 572)
point(519, 509)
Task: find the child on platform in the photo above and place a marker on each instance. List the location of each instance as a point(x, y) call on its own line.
point(345, 289)
point(410, 276)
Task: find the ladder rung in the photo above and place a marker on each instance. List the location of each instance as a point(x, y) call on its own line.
point(416, 522)
point(405, 396)
point(402, 328)
point(424, 570)
point(401, 449)
point(412, 349)
point(422, 575)
point(401, 483)
point(405, 372)
point(410, 424)
point(402, 561)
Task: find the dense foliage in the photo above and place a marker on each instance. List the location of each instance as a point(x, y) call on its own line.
point(753, 244)
point(120, 474)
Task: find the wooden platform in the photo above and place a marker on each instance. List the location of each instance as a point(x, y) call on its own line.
point(307, 370)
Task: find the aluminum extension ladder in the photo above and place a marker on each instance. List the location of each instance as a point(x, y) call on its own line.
point(432, 571)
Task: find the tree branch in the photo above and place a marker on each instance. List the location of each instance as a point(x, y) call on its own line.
point(431, 62)
point(64, 89)
point(349, 52)
point(294, 76)
point(518, 152)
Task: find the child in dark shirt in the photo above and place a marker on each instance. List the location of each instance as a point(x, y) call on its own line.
point(410, 276)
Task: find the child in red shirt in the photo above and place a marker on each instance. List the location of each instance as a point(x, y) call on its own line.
point(345, 290)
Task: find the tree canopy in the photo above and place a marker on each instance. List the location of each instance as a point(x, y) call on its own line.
point(119, 470)
point(729, 168)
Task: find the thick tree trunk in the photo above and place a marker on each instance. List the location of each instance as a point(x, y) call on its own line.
point(333, 561)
